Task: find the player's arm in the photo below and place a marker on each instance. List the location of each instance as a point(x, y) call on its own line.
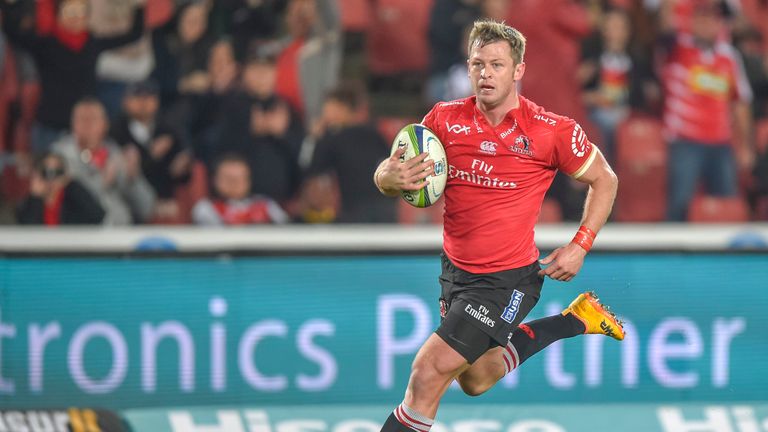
point(392, 176)
point(565, 262)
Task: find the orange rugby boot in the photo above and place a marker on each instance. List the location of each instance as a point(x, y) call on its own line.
point(597, 318)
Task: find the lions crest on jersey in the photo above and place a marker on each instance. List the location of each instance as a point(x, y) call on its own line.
point(522, 146)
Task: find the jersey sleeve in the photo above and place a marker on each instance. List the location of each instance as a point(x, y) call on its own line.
point(574, 153)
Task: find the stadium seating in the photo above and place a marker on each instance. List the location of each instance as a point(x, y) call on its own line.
point(408, 214)
point(389, 126)
point(710, 209)
point(761, 209)
point(397, 38)
point(641, 155)
point(189, 194)
point(761, 135)
point(8, 89)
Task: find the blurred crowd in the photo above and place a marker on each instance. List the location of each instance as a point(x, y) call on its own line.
point(228, 112)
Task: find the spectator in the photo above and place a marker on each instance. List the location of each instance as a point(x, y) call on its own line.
point(112, 175)
point(233, 203)
point(274, 167)
point(199, 114)
point(65, 54)
point(554, 30)
point(57, 199)
point(117, 68)
point(249, 23)
point(351, 149)
point(456, 84)
point(613, 79)
point(705, 86)
point(448, 23)
point(454, 80)
point(222, 67)
point(257, 87)
point(310, 56)
point(165, 159)
point(181, 53)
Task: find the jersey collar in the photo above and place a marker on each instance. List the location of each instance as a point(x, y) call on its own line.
point(520, 113)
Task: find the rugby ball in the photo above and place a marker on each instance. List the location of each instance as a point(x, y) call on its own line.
point(417, 139)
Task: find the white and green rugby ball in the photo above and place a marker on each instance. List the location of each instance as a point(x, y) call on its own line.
point(417, 139)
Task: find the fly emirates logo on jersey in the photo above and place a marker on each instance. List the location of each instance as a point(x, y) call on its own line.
point(480, 173)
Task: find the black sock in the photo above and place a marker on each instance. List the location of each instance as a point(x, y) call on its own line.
point(392, 425)
point(532, 337)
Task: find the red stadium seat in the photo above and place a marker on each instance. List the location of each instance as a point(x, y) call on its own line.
point(9, 89)
point(397, 38)
point(189, 194)
point(29, 98)
point(761, 135)
point(14, 185)
point(710, 209)
point(641, 155)
point(408, 214)
point(761, 209)
point(389, 126)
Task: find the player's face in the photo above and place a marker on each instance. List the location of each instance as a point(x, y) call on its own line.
point(493, 73)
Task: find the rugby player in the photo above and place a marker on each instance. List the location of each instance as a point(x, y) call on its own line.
point(503, 152)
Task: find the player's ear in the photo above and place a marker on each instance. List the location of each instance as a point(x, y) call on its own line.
point(519, 71)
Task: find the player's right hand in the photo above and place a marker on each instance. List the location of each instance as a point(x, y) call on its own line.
point(394, 176)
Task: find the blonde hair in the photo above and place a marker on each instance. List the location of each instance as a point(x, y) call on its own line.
point(488, 31)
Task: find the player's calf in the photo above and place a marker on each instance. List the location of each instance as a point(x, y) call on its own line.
point(434, 367)
point(484, 373)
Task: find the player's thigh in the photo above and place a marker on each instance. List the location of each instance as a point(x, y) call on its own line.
point(462, 336)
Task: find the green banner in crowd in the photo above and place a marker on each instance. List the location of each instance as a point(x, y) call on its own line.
point(475, 417)
point(121, 333)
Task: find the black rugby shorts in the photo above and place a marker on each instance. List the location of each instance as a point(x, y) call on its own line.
point(480, 311)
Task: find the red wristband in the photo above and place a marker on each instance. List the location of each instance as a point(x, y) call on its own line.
point(584, 238)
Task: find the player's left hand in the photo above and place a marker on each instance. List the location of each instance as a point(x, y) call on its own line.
point(563, 263)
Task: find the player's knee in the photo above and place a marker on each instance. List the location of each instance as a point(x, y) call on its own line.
point(425, 377)
point(473, 387)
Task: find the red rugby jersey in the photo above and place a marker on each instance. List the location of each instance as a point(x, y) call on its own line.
point(497, 178)
point(700, 85)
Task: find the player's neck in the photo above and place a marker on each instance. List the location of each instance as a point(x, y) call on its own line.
point(496, 114)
